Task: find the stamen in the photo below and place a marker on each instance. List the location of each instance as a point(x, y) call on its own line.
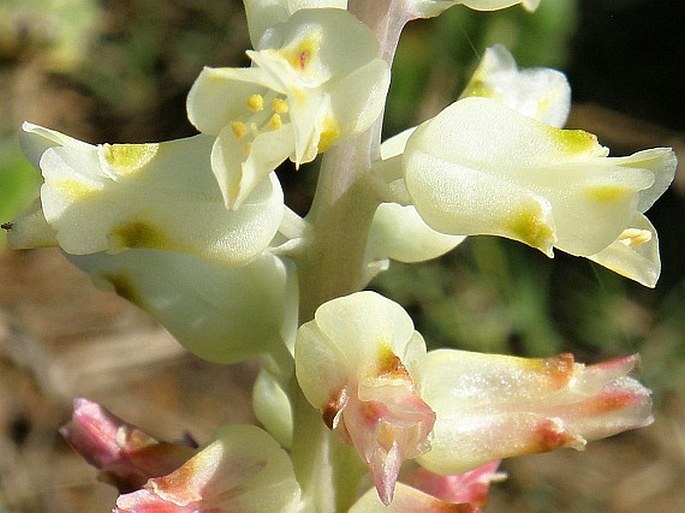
point(275, 122)
point(239, 129)
point(279, 106)
point(255, 103)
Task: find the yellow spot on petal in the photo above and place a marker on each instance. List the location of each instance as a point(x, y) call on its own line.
point(255, 103)
point(634, 237)
point(138, 234)
point(329, 134)
point(74, 190)
point(126, 159)
point(478, 88)
point(575, 141)
point(529, 225)
point(279, 106)
point(389, 364)
point(607, 193)
point(246, 149)
point(239, 129)
point(275, 122)
point(301, 55)
point(557, 369)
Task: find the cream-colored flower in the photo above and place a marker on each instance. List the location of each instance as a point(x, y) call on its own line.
point(315, 80)
point(482, 168)
point(114, 197)
point(492, 406)
point(361, 363)
point(430, 8)
point(353, 362)
point(263, 14)
point(539, 93)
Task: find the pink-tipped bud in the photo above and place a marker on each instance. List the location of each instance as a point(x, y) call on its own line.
point(126, 456)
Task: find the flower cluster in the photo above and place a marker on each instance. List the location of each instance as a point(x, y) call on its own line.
point(196, 232)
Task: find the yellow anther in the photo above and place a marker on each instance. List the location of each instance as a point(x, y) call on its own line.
point(279, 106)
point(275, 122)
point(255, 103)
point(330, 133)
point(246, 149)
point(239, 129)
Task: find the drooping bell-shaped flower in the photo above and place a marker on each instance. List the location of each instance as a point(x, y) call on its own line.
point(218, 313)
point(353, 362)
point(315, 79)
point(491, 406)
point(539, 93)
point(244, 469)
point(126, 456)
point(481, 168)
point(114, 197)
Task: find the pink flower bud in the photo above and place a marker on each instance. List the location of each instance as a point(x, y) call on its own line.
point(126, 456)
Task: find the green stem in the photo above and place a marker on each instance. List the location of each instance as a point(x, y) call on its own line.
point(334, 262)
point(330, 265)
point(327, 470)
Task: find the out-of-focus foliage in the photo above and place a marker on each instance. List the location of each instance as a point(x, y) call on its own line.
point(62, 29)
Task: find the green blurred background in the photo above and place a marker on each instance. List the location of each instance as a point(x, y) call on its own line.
point(119, 70)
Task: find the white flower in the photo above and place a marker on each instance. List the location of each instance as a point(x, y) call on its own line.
point(361, 363)
point(397, 231)
point(539, 93)
point(243, 469)
point(114, 197)
point(429, 8)
point(218, 313)
point(482, 168)
point(262, 14)
point(353, 362)
point(493, 406)
point(316, 79)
